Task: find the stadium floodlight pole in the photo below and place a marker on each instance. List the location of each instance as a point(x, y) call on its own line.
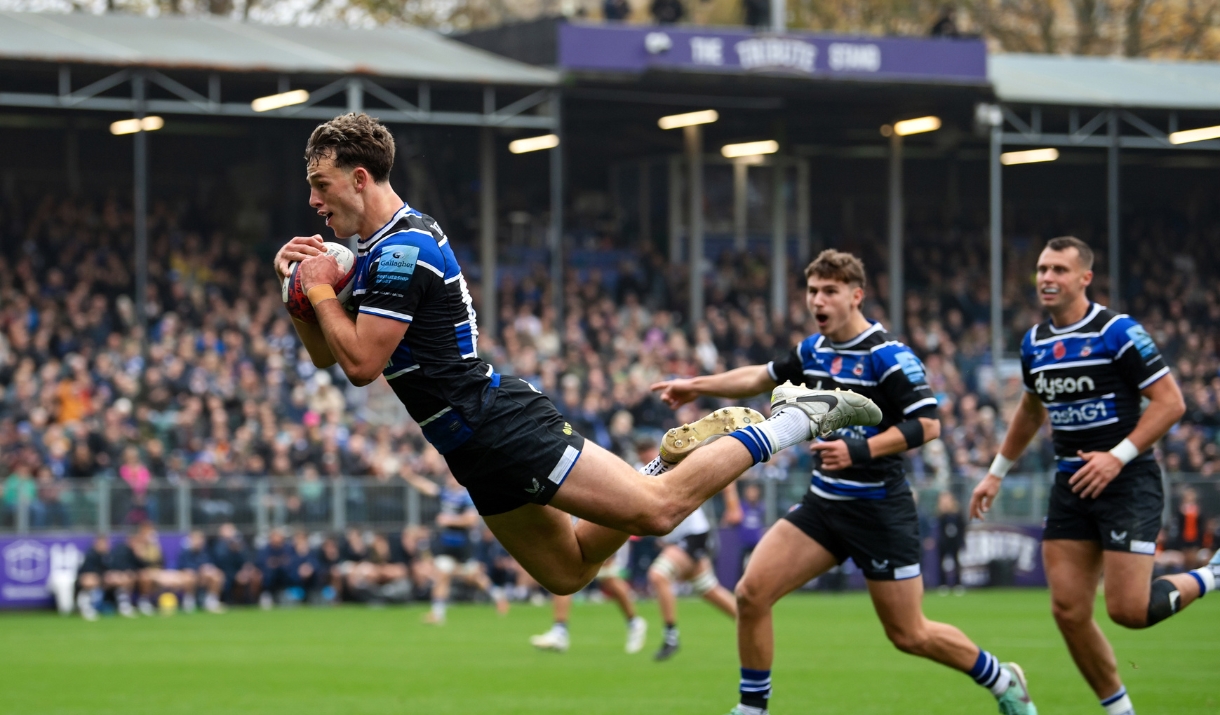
point(779, 242)
point(996, 226)
point(741, 181)
point(779, 16)
point(557, 210)
point(694, 158)
point(895, 231)
point(487, 229)
point(140, 209)
point(1112, 214)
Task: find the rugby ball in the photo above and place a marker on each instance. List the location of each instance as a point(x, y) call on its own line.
point(294, 297)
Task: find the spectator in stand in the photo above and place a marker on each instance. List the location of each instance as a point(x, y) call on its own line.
point(243, 580)
point(137, 477)
point(99, 574)
point(616, 10)
point(195, 563)
point(753, 520)
point(275, 561)
point(19, 488)
point(306, 572)
point(125, 560)
point(327, 559)
point(1189, 530)
point(950, 539)
point(667, 12)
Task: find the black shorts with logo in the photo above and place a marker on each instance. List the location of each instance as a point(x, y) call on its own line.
point(520, 454)
point(695, 545)
point(1126, 516)
point(880, 535)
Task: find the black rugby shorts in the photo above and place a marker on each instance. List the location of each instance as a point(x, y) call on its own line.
point(520, 453)
point(1126, 516)
point(880, 535)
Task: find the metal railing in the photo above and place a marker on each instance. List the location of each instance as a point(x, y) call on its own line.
point(259, 504)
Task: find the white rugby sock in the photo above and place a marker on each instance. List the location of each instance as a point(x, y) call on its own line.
point(1118, 703)
point(1001, 683)
point(786, 428)
point(1206, 578)
point(656, 467)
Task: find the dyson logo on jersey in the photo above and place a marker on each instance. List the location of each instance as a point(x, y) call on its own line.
point(1081, 413)
point(1050, 389)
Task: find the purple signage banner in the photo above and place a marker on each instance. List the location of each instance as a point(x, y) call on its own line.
point(622, 48)
point(29, 564)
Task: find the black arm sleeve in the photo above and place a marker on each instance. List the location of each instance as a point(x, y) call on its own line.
point(790, 369)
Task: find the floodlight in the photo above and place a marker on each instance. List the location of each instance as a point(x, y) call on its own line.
point(689, 119)
point(131, 126)
point(1195, 135)
point(546, 141)
point(733, 151)
point(279, 101)
point(918, 125)
point(1031, 156)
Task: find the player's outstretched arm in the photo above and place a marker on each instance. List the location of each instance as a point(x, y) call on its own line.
point(1165, 408)
point(362, 347)
point(1026, 422)
point(738, 383)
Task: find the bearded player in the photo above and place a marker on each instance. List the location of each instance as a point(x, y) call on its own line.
point(503, 440)
point(1089, 368)
point(859, 503)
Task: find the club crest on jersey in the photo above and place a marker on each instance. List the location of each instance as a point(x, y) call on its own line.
point(836, 365)
point(1059, 350)
point(1087, 350)
point(858, 370)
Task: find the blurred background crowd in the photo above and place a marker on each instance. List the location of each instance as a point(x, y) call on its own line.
point(224, 396)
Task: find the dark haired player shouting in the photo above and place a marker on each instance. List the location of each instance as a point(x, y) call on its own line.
point(859, 503)
point(502, 439)
point(1088, 368)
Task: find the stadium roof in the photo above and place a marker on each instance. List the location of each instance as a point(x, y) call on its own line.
point(1105, 81)
point(215, 44)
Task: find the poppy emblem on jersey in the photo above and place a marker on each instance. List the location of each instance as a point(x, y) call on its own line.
point(858, 370)
point(1086, 350)
point(1059, 350)
point(836, 365)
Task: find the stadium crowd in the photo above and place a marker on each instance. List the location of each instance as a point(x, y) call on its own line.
point(225, 394)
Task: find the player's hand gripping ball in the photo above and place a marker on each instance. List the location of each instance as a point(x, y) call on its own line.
point(294, 296)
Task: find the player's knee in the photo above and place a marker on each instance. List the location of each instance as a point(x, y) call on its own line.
point(909, 640)
point(564, 584)
point(1070, 614)
point(1164, 600)
point(751, 600)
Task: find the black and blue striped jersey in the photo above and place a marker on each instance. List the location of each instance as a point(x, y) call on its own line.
point(878, 367)
point(407, 271)
point(1089, 376)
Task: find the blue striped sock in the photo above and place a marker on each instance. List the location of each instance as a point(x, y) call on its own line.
point(988, 673)
point(755, 441)
point(755, 688)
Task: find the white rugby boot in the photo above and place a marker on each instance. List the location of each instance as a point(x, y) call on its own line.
point(828, 410)
point(555, 639)
point(637, 632)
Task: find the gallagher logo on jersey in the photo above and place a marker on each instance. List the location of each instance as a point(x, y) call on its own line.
point(1059, 350)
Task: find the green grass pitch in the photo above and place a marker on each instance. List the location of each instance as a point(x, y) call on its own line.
point(831, 658)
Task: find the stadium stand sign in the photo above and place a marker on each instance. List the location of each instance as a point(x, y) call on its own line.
point(30, 565)
point(584, 47)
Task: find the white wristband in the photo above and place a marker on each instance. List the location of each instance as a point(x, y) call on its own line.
point(1125, 451)
point(1000, 466)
